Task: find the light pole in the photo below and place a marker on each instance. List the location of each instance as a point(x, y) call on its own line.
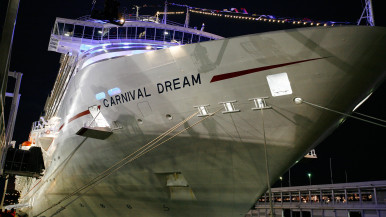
point(309, 177)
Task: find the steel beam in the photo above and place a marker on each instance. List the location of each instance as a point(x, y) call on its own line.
point(5, 54)
point(14, 109)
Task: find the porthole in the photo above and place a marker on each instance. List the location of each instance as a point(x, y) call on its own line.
point(168, 116)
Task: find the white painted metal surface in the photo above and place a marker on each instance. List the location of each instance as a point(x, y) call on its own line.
point(221, 158)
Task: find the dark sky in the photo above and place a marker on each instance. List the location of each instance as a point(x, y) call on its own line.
point(355, 147)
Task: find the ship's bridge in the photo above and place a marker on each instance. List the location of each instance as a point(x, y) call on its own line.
point(84, 34)
point(94, 40)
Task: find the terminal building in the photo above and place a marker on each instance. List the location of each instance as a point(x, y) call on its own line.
point(358, 199)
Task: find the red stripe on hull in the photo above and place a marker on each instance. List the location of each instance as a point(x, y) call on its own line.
point(249, 71)
point(83, 113)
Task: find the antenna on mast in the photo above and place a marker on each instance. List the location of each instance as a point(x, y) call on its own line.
point(92, 6)
point(367, 14)
point(165, 12)
point(137, 12)
point(186, 25)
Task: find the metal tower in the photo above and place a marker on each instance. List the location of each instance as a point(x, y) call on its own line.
point(367, 14)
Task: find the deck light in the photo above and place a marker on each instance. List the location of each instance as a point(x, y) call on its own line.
point(281, 181)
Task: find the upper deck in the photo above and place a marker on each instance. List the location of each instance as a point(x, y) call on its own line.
point(74, 36)
point(86, 41)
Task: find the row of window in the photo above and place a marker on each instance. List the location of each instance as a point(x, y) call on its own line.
point(97, 33)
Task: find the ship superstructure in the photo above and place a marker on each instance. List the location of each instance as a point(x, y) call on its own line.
point(85, 41)
point(154, 119)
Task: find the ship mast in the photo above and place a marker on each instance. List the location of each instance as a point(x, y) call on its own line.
point(165, 13)
point(137, 12)
point(187, 18)
point(367, 14)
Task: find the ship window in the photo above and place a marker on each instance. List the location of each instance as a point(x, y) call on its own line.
point(159, 34)
point(195, 39)
point(88, 31)
point(131, 32)
point(97, 34)
point(78, 31)
point(141, 33)
point(114, 91)
point(168, 35)
point(60, 28)
point(56, 29)
point(150, 33)
point(105, 34)
point(121, 32)
point(68, 29)
point(204, 38)
point(100, 95)
point(187, 38)
point(113, 33)
point(178, 36)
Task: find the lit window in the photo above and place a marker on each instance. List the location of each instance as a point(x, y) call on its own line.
point(100, 95)
point(114, 91)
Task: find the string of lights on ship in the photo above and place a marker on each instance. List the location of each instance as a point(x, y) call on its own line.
point(235, 14)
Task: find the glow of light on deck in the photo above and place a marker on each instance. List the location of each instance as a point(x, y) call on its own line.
point(100, 96)
point(114, 91)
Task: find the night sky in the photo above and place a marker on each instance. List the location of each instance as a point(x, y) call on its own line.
point(355, 147)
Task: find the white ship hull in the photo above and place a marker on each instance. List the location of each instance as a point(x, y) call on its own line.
point(222, 158)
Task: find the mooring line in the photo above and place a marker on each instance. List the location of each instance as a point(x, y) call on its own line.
point(133, 156)
point(338, 112)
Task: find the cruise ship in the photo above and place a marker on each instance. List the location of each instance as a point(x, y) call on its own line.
point(150, 118)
